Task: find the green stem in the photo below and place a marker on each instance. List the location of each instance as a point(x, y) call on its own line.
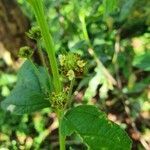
point(70, 92)
point(92, 53)
point(61, 137)
point(84, 29)
point(41, 54)
point(49, 44)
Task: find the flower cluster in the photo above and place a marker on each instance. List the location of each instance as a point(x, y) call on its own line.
point(34, 33)
point(58, 100)
point(26, 52)
point(72, 65)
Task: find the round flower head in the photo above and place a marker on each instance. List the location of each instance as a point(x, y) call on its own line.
point(25, 52)
point(70, 74)
point(59, 100)
point(72, 65)
point(34, 33)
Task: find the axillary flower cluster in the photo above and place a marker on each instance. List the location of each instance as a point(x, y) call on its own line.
point(71, 65)
point(26, 52)
point(58, 100)
point(35, 34)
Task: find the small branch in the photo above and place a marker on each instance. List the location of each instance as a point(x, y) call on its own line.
point(93, 54)
point(115, 59)
point(70, 92)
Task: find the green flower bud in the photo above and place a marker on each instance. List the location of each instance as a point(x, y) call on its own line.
point(25, 52)
point(71, 74)
point(81, 63)
point(61, 59)
point(34, 33)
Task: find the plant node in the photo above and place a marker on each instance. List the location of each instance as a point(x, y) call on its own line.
point(58, 100)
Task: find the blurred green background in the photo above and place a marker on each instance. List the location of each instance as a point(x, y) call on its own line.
point(120, 38)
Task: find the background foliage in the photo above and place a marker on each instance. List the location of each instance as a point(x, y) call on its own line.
point(120, 38)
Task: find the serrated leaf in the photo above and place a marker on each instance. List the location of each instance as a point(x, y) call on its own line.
point(28, 95)
point(142, 61)
point(97, 132)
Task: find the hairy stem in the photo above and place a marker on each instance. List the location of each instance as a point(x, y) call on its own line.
point(49, 44)
point(61, 137)
point(48, 41)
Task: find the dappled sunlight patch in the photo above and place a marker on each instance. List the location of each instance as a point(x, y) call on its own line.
point(11, 107)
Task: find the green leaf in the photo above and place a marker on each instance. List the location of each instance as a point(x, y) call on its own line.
point(109, 6)
point(126, 8)
point(139, 86)
point(142, 61)
point(95, 129)
point(78, 45)
point(27, 96)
